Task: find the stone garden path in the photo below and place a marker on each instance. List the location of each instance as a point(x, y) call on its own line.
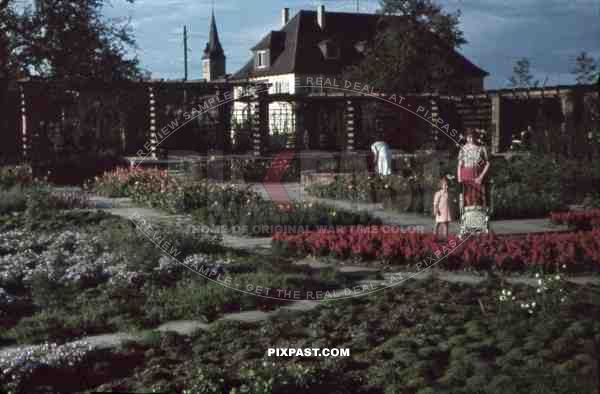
point(297, 193)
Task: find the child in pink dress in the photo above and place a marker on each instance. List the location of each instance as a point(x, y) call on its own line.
point(441, 208)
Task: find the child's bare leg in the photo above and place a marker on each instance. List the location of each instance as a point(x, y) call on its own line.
point(445, 230)
point(436, 231)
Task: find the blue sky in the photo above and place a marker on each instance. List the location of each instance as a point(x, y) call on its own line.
point(549, 32)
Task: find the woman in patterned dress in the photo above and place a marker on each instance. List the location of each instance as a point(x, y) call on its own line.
point(473, 165)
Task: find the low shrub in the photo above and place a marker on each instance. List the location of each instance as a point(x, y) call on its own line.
point(521, 200)
point(12, 200)
point(197, 298)
point(257, 169)
point(523, 186)
point(238, 207)
point(394, 191)
point(120, 181)
point(42, 200)
point(259, 217)
point(11, 176)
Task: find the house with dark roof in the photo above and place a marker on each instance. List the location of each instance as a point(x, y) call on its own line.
point(324, 43)
point(319, 44)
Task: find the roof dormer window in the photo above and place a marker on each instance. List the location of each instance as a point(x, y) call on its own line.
point(262, 60)
point(360, 46)
point(330, 49)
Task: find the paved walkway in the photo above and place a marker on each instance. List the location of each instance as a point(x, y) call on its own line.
point(296, 192)
point(124, 207)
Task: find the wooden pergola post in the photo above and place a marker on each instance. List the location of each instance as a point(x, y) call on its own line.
point(25, 145)
point(496, 127)
point(435, 114)
point(152, 114)
point(260, 122)
point(350, 119)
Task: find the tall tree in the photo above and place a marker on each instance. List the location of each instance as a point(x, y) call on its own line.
point(413, 53)
point(8, 39)
point(522, 77)
point(586, 69)
point(71, 40)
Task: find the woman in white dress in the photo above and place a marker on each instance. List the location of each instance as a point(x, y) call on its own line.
point(382, 158)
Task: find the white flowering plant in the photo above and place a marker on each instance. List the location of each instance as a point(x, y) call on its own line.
point(546, 295)
point(17, 365)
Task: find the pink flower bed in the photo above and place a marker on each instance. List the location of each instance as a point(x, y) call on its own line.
point(121, 181)
point(577, 251)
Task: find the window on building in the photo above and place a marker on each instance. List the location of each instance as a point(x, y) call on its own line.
point(330, 49)
point(261, 59)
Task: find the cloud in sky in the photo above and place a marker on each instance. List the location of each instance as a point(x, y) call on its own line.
point(549, 32)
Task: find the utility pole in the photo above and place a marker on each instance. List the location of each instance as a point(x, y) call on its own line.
point(185, 53)
point(357, 5)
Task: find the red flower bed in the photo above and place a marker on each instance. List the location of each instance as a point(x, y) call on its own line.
point(578, 251)
point(578, 219)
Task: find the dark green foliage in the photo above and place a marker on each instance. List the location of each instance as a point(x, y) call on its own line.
point(232, 355)
point(12, 200)
point(415, 55)
point(79, 44)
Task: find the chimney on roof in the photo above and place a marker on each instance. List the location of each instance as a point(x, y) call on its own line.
point(285, 16)
point(321, 16)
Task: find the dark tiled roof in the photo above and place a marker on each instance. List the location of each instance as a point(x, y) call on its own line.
point(275, 40)
point(301, 52)
point(213, 46)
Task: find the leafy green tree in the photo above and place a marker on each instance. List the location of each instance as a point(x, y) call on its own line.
point(66, 40)
point(586, 69)
point(5, 39)
point(70, 41)
point(522, 77)
point(416, 55)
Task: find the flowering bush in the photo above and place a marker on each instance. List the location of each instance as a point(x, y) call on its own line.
point(579, 251)
point(87, 258)
point(233, 205)
point(578, 219)
point(17, 366)
point(173, 195)
point(362, 187)
point(545, 297)
point(260, 217)
point(256, 169)
point(42, 200)
point(119, 182)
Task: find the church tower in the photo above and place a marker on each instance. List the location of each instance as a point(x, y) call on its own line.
point(213, 61)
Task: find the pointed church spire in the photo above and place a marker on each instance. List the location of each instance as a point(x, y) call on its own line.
point(213, 60)
point(213, 46)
